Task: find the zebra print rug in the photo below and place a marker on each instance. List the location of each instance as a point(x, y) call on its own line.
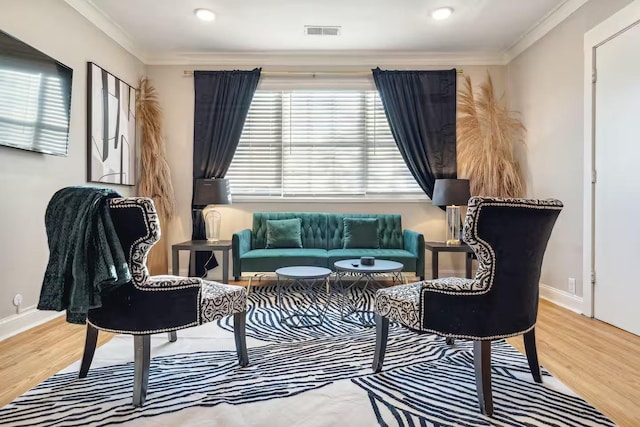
point(319, 376)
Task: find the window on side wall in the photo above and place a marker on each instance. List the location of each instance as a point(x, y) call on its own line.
point(318, 143)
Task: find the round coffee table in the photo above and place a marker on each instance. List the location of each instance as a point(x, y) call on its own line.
point(354, 308)
point(305, 308)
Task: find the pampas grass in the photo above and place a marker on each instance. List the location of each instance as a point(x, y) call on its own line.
point(155, 180)
point(487, 135)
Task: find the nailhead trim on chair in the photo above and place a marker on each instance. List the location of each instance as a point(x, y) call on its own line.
point(459, 284)
point(402, 303)
point(484, 252)
point(471, 337)
point(162, 282)
point(154, 331)
point(214, 300)
point(140, 247)
point(229, 300)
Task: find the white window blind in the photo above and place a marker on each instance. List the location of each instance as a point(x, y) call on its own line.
point(256, 168)
point(387, 173)
point(324, 143)
point(318, 143)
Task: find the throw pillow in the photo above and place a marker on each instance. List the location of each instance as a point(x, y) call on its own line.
point(361, 233)
point(284, 233)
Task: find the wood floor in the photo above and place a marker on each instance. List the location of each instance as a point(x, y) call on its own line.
point(599, 362)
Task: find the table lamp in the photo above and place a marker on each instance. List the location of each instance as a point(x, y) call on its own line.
point(451, 193)
point(212, 191)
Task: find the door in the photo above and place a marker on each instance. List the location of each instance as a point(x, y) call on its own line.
point(617, 187)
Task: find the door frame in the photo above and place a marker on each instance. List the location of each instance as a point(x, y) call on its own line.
point(594, 38)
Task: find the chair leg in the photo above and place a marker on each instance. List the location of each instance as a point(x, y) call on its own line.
point(249, 285)
point(173, 336)
point(482, 363)
point(142, 360)
point(532, 354)
point(450, 340)
point(382, 333)
point(89, 350)
point(239, 323)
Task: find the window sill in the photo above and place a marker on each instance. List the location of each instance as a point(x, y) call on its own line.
point(388, 199)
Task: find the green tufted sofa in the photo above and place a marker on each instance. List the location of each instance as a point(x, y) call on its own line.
point(322, 243)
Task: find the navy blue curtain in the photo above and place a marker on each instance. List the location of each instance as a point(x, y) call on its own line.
point(222, 101)
point(421, 109)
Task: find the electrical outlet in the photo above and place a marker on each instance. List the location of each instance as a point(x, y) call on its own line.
point(17, 300)
point(572, 285)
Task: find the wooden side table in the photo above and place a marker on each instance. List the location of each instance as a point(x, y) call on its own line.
point(194, 246)
point(437, 247)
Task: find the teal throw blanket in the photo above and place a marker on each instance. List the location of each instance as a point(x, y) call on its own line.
point(85, 255)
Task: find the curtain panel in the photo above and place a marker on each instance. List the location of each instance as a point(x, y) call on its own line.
point(421, 109)
point(222, 101)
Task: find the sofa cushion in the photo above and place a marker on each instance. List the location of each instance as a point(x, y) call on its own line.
point(272, 259)
point(313, 229)
point(389, 230)
point(283, 233)
point(400, 255)
point(361, 233)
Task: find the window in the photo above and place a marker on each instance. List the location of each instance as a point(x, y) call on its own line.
point(318, 144)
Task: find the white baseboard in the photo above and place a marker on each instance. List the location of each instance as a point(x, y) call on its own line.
point(561, 298)
point(29, 318)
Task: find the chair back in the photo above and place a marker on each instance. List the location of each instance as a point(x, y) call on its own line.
point(509, 238)
point(136, 222)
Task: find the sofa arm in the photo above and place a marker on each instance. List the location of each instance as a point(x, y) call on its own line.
point(240, 244)
point(414, 243)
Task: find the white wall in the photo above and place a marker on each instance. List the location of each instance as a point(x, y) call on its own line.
point(177, 100)
point(545, 83)
point(27, 179)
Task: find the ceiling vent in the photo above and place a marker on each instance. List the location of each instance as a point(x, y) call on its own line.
point(314, 30)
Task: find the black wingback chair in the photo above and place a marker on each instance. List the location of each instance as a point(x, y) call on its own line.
point(509, 238)
point(156, 304)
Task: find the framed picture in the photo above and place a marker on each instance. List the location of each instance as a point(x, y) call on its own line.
point(111, 128)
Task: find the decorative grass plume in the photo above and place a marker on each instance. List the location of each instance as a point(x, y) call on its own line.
point(155, 181)
point(487, 136)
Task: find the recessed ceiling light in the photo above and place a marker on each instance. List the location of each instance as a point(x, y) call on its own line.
point(205, 15)
point(442, 13)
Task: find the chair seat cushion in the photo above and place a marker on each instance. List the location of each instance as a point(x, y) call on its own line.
point(400, 304)
point(219, 300)
point(399, 255)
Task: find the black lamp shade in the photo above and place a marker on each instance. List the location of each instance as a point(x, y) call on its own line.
point(211, 192)
point(451, 192)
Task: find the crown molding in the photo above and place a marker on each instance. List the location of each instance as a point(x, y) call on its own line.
point(321, 58)
point(542, 27)
point(325, 58)
point(103, 22)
